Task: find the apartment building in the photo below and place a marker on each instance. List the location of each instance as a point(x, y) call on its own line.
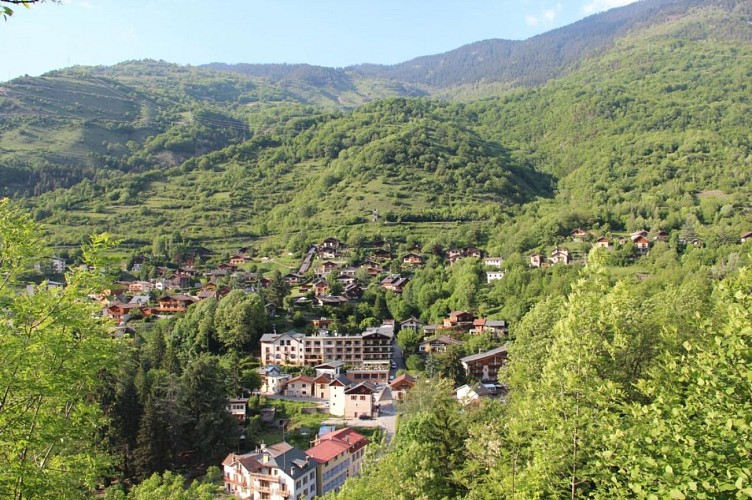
point(338, 455)
point(283, 348)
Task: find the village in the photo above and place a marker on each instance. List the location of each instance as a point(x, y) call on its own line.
point(357, 379)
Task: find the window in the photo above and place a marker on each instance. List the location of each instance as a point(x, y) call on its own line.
point(362, 398)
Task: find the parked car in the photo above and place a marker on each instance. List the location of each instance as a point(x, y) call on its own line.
point(365, 417)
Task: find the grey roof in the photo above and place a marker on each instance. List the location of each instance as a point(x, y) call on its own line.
point(293, 461)
point(342, 380)
point(386, 330)
point(271, 337)
point(482, 355)
point(496, 322)
point(331, 364)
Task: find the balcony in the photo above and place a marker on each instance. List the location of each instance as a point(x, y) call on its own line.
point(238, 481)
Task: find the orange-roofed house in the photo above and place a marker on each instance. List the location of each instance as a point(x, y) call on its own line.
point(338, 455)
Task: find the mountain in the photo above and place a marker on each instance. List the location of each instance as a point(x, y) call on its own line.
point(631, 134)
point(512, 63)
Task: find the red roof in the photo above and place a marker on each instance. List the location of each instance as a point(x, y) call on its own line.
point(333, 443)
point(327, 450)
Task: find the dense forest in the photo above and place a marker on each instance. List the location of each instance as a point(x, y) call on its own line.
point(628, 373)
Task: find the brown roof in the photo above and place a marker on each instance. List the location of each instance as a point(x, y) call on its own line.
point(302, 378)
point(404, 378)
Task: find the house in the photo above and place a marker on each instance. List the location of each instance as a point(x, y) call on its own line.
point(485, 366)
point(637, 234)
point(140, 287)
point(57, 265)
point(331, 244)
point(381, 255)
point(326, 267)
point(300, 387)
point(493, 261)
point(470, 393)
point(472, 252)
point(642, 244)
point(331, 300)
point(122, 312)
point(579, 234)
point(338, 455)
point(320, 287)
point(238, 408)
point(453, 253)
point(284, 348)
point(238, 260)
point(174, 303)
point(394, 283)
point(437, 344)
point(294, 278)
point(497, 327)
point(458, 320)
point(273, 381)
point(537, 260)
point(137, 263)
point(359, 400)
point(353, 291)
point(279, 471)
point(401, 385)
point(603, 242)
point(746, 237)
point(321, 386)
point(346, 280)
point(348, 271)
point(560, 256)
point(412, 259)
point(140, 300)
point(337, 388)
point(494, 275)
point(411, 323)
point(179, 281)
point(661, 235)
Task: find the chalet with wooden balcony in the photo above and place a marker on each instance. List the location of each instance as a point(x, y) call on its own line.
point(174, 303)
point(485, 366)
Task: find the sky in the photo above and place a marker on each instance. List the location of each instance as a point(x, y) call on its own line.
point(334, 33)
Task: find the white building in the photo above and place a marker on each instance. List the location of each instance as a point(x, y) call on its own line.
point(277, 472)
point(282, 348)
point(494, 275)
point(493, 261)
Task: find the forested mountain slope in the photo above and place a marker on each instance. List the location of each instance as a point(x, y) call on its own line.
point(647, 133)
point(507, 62)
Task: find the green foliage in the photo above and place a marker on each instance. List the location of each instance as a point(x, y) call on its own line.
point(54, 350)
point(408, 340)
point(173, 487)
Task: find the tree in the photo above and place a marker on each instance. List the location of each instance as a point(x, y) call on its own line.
point(7, 11)
point(408, 340)
point(202, 398)
point(239, 320)
point(53, 347)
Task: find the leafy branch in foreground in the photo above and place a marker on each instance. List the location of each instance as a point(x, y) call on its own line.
point(53, 348)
